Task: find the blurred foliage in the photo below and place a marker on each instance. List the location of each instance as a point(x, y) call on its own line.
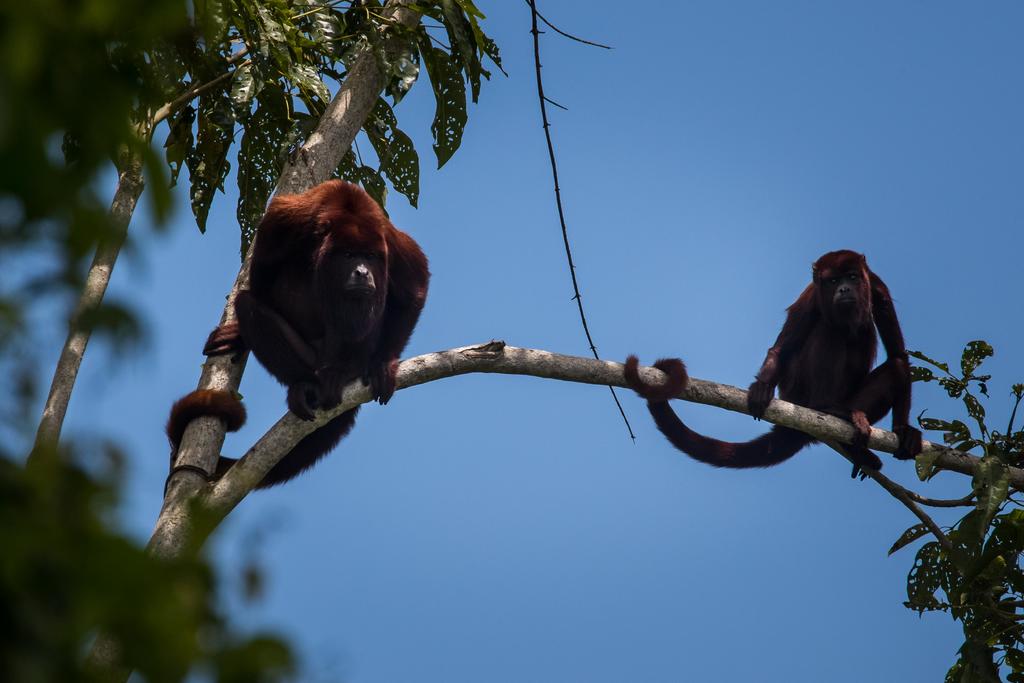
point(980, 581)
point(64, 574)
point(69, 84)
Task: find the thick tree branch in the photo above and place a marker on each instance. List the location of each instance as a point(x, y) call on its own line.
point(496, 357)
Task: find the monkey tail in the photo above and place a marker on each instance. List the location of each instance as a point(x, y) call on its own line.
point(204, 403)
point(780, 444)
point(676, 382)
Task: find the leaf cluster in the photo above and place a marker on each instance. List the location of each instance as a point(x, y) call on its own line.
point(64, 574)
point(282, 59)
point(979, 580)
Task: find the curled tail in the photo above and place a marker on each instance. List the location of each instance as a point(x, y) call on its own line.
point(766, 450)
point(204, 403)
point(226, 406)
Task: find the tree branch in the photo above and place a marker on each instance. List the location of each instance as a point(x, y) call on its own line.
point(130, 184)
point(901, 494)
point(495, 357)
point(195, 91)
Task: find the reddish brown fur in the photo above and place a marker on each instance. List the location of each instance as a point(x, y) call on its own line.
point(676, 378)
point(205, 402)
point(335, 292)
point(822, 359)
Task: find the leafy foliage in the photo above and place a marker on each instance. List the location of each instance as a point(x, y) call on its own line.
point(282, 59)
point(980, 579)
point(63, 573)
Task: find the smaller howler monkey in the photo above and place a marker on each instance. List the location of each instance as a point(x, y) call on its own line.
point(822, 360)
point(335, 292)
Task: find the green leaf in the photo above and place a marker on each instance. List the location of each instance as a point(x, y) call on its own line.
point(450, 101)
point(935, 425)
point(920, 356)
point(398, 158)
point(350, 170)
point(991, 483)
point(212, 16)
point(909, 536)
point(919, 374)
point(954, 387)
point(306, 79)
point(402, 166)
point(373, 184)
point(207, 163)
point(1015, 660)
point(925, 578)
point(260, 160)
point(974, 408)
point(324, 27)
point(924, 464)
point(974, 355)
point(460, 34)
point(404, 72)
point(180, 140)
point(244, 87)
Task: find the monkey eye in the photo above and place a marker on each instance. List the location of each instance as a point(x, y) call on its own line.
point(854, 276)
point(833, 280)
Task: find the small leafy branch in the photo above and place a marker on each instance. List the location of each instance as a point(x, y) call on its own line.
point(278, 94)
point(977, 576)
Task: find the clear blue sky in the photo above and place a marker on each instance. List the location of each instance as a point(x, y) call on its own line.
point(491, 528)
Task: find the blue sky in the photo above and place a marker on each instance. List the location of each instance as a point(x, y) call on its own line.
point(490, 528)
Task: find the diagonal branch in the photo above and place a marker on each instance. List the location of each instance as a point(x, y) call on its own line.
point(901, 494)
point(130, 184)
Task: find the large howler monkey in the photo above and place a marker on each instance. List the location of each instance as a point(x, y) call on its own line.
point(822, 360)
point(335, 292)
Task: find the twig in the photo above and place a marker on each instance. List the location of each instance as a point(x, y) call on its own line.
point(196, 90)
point(560, 31)
point(560, 106)
point(558, 201)
point(935, 503)
point(901, 494)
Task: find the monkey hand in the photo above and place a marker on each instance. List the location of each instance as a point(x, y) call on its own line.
point(380, 377)
point(302, 400)
point(225, 339)
point(864, 460)
point(863, 426)
point(759, 395)
point(909, 445)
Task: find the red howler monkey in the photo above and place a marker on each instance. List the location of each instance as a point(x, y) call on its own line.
point(335, 292)
point(822, 360)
